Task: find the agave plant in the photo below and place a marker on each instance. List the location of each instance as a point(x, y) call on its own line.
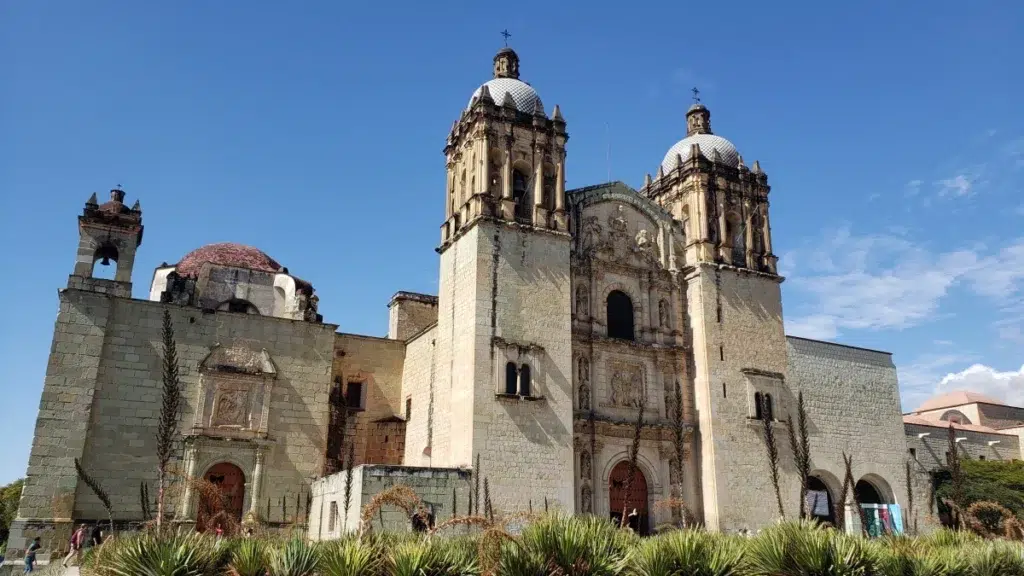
point(434, 557)
point(180, 554)
point(348, 557)
point(998, 559)
point(688, 552)
point(807, 549)
point(569, 546)
point(917, 560)
point(248, 558)
point(295, 558)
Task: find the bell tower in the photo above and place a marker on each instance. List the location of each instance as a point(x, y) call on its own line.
point(734, 299)
point(505, 156)
point(108, 233)
point(502, 360)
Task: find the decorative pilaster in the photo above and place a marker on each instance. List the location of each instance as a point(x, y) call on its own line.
point(257, 482)
point(191, 462)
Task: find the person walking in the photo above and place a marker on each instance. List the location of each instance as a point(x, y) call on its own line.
point(30, 555)
point(77, 539)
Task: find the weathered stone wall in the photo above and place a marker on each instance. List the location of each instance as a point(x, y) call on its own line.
point(522, 315)
point(853, 407)
point(417, 381)
point(410, 313)
point(434, 486)
point(101, 401)
point(218, 284)
point(737, 326)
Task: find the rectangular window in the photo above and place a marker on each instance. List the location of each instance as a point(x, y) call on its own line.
point(913, 453)
point(408, 409)
point(332, 521)
point(354, 395)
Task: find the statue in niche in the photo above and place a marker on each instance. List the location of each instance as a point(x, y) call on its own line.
point(582, 302)
point(644, 241)
point(617, 221)
point(586, 500)
point(584, 397)
point(663, 314)
point(584, 380)
point(585, 470)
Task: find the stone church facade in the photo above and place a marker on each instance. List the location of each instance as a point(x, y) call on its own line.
point(559, 314)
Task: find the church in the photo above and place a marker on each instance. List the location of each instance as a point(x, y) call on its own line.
point(561, 316)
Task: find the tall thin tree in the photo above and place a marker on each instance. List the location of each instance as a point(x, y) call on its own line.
point(800, 445)
point(772, 449)
point(167, 431)
point(910, 525)
point(956, 475)
point(98, 490)
point(476, 487)
point(679, 441)
point(349, 471)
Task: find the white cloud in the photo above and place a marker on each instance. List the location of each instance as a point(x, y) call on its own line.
point(885, 281)
point(918, 379)
point(959, 185)
point(1006, 386)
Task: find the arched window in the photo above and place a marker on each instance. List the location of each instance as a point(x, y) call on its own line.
point(511, 376)
point(520, 194)
point(620, 316)
point(240, 306)
point(768, 408)
point(758, 405)
point(524, 380)
point(956, 417)
point(738, 239)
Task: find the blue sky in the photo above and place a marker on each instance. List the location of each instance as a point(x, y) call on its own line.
point(892, 135)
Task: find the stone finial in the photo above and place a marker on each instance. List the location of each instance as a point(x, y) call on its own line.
point(695, 151)
point(679, 160)
point(557, 113)
point(137, 206)
point(508, 101)
point(740, 163)
point(715, 155)
point(647, 179)
point(485, 95)
point(661, 173)
point(538, 108)
point(757, 167)
point(92, 201)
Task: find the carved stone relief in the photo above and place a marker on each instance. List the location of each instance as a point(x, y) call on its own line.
point(231, 408)
point(625, 383)
point(587, 499)
point(663, 314)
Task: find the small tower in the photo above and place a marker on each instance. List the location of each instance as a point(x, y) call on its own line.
point(108, 232)
point(506, 156)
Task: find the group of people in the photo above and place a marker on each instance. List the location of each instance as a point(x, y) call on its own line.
point(81, 539)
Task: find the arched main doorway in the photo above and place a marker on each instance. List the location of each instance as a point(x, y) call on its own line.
point(634, 499)
point(230, 480)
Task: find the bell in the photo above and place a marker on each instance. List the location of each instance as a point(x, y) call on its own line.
point(105, 261)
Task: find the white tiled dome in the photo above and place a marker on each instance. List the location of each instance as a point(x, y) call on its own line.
point(708, 144)
point(523, 94)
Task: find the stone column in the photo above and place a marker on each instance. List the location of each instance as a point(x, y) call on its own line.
point(538, 180)
point(560, 187)
point(506, 174)
point(748, 239)
point(257, 483)
point(191, 462)
point(485, 170)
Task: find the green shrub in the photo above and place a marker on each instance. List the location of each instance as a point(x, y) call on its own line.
point(295, 558)
point(689, 552)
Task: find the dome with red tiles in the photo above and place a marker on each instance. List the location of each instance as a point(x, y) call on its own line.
point(226, 254)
